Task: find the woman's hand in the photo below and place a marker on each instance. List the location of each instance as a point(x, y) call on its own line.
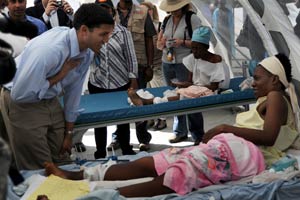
point(178, 42)
point(161, 41)
point(213, 132)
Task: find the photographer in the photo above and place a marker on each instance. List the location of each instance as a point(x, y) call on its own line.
point(52, 12)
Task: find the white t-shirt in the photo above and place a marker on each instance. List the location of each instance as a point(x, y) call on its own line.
point(205, 72)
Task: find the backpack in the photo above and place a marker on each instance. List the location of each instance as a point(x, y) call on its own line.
point(188, 27)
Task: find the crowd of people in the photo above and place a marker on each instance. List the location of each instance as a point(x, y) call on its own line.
point(126, 48)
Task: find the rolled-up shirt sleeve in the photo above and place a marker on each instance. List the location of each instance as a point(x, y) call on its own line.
point(30, 83)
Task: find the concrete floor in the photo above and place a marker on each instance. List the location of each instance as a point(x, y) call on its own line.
point(160, 138)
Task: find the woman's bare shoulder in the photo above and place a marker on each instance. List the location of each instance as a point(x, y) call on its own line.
point(276, 98)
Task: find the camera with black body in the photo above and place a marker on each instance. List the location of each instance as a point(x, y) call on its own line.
point(59, 3)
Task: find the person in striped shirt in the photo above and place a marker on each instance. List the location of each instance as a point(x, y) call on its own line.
point(114, 69)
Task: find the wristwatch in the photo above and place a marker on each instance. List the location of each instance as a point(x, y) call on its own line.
point(69, 132)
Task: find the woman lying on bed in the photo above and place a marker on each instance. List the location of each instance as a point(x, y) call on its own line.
point(260, 137)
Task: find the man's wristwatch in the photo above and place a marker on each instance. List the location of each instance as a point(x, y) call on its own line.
point(69, 132)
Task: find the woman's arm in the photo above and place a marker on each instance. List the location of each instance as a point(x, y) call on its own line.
point(161, 41)
point(275, 116)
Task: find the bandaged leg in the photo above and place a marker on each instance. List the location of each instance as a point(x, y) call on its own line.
point(170, 93)
point(97, 172)
point(139, 97)
point(144, 94)
point(158, 100)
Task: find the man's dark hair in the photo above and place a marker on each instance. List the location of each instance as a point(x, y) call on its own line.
point(285, 61)
point(91, 15)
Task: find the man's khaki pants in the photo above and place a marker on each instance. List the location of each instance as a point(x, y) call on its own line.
point(35, 131)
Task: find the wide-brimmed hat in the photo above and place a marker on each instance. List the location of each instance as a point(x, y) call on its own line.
point(172, 5)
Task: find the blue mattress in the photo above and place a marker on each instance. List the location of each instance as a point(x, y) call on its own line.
point(112, 108)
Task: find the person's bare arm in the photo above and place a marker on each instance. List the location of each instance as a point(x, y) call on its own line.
point(133, 83)
point(67, 143)
point(213, 86)
point(183, 84)
point(275, 117)
point(161, 41)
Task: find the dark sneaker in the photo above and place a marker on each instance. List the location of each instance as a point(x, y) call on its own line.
point(144, 147)
point(176, 139)
point(197, 142)
point(115, 145)
point(160, 124)
point(79, 147)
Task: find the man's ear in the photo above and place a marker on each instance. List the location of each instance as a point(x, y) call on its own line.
point(83, 32)
point(83, 29)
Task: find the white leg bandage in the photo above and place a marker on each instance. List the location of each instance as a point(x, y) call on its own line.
point(144, 94)
point(97, 172)
point(157, 100)
point(170, 93)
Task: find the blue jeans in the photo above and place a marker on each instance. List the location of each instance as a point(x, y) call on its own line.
point(195, 121)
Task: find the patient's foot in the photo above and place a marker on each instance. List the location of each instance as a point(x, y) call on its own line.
point(51, 168)
point(135, 99)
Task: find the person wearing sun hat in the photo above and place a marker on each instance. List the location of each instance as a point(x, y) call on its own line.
point(175, 42)
point(172, 5)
